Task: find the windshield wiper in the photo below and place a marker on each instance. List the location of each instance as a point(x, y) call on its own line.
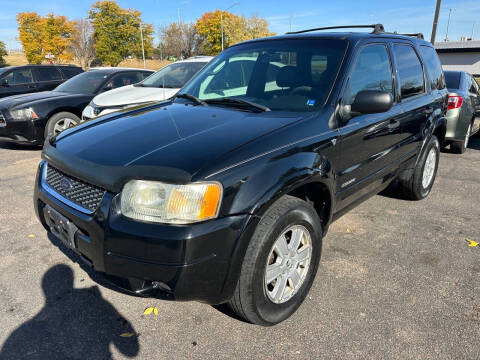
point(233, 101)
point(195, 99)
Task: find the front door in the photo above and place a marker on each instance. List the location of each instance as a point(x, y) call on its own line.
point(17, 81)
point(367, 142)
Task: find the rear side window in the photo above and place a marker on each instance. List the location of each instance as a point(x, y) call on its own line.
point(47, 74)
point(20, 76)
point(70, 72)
point(473, 85)
point(372, 71)
point(452, 79)
point(410, 71)
point(434, 68)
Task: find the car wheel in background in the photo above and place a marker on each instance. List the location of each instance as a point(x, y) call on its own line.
point(459, 147)
point(60, 122)
point(280, 263)
point(418, 186)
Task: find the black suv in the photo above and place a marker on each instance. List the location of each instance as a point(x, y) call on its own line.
point(224, 193)
point(16, 80)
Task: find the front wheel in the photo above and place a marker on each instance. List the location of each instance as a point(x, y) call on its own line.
point(60, 122)
point(419, 185)
point(280, 263)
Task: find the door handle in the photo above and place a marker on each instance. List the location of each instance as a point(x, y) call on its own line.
point(393, 124)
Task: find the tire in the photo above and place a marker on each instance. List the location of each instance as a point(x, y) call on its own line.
point(253, 300)
point(459, 147)
point(414, 188)
point(56, 120)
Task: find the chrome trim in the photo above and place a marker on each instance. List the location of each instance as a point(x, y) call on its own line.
point(58, 196)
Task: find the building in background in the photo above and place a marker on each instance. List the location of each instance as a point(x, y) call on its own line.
point(460, 55)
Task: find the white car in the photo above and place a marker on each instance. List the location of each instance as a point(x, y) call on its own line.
point(159, 86)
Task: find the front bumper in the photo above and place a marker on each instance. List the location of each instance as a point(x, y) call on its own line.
point(191, 262)
point(23, 131)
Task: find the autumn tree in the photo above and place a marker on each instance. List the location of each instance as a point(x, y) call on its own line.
point(180, 40)
point(3, 53)
point(117, 32)
point(235, 29)
point(81, 47)
point(45, 35)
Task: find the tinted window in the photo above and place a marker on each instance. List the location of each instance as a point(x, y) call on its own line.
point(124, 79)
point(434, 68)
point(452, 79)
point(174, 75)
point(70, 72)
point(84, 83)
point(372, 71)
point(473, 85)
point(410, 70)
point(283, 75)
point(47, 74)
point(20, 76)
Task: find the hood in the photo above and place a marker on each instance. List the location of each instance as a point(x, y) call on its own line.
point(176, 136)
point(27, 99)
point(131, 94)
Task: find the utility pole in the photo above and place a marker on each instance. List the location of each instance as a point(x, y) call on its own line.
point(143, 49)
point(221, 18)
point(448, 24)
point(435, 21)
point(473, 29)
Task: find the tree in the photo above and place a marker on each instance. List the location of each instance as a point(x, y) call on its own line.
point(235, 28)
point(82, 46)
point(117, 32)
point(45, 35)
point(179, 40)
point(3, 52)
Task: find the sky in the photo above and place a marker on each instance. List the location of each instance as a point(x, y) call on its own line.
point(406, 16)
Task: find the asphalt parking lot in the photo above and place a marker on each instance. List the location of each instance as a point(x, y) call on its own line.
point(397, 280)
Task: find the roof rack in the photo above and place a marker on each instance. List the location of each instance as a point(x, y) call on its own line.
point(417, 35)
point(377, 28)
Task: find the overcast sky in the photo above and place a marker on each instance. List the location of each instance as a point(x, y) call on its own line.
point(403, 16)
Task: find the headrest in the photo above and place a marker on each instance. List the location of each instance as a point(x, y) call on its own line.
point(288, 76)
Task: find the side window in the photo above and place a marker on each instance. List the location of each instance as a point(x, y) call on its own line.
point(434, 68)
point(70, 72)
point(410, 71)
point(473, 85)
point(47, 74)
point(372, 71)
point(20, 76)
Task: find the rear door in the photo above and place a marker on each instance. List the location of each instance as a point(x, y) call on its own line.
point(17, 81)
point(368, 141)
point(48, 77)
point(416, 99)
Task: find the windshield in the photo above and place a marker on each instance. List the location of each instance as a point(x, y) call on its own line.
point(84, 83)
point(284, 75)
point(174, 75)
point(452, 79)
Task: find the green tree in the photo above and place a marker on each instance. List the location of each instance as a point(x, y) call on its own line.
point(45, 35)
point(3, 52)
point(117, 32)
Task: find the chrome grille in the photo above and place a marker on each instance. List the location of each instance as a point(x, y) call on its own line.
point(75, 190)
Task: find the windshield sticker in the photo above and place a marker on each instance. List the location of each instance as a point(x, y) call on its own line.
point(310, 102)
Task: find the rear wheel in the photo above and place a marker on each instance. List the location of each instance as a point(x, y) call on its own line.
point(280, 263)
point(60, 122)
point(420, 183)
point(459, 147)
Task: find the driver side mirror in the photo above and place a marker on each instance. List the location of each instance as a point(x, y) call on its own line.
point(369, 102)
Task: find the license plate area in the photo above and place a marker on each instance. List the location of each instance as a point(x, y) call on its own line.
point(60, 226)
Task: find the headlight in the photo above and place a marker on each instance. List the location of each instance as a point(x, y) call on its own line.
point(23, 114)
point(88, 112)
point(168, 203)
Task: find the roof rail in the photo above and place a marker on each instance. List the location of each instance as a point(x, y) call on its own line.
point(377, 28)
point(417, 35)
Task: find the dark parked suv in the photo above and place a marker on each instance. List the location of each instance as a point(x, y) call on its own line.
point(224, 193)
point(15, 80)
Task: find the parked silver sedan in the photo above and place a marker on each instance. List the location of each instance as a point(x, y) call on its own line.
point(463, 115)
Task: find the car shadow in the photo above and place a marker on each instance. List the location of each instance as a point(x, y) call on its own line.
point(74, 323)
point(14, 146)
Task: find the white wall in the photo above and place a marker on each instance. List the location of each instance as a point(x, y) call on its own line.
point(466, 61)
